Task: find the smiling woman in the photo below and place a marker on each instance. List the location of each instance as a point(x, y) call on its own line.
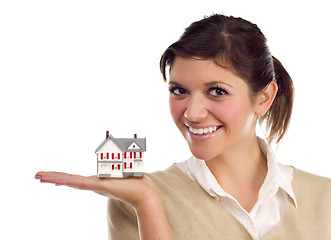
point(222, 81)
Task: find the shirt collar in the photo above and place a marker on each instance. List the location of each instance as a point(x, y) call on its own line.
point(278, 176)
point(201, 174)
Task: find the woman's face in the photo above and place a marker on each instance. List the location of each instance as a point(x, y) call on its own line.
point(211, 107)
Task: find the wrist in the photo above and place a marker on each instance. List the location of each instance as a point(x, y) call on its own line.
point(147, 200)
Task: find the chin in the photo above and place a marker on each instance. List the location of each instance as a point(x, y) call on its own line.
point(202, 154)
point(203, 150)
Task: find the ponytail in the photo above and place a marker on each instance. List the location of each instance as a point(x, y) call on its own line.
point(278, 116)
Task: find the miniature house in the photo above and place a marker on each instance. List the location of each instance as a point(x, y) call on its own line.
point(121, 157)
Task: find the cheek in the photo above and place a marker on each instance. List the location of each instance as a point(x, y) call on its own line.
point(177, 108)
point(230, 112)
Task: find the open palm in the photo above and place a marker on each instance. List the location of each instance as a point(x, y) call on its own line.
point(130, 190)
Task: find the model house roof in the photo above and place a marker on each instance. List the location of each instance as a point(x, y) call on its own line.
point(126, 144)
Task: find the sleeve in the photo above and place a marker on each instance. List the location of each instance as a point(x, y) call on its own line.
point(122, 221)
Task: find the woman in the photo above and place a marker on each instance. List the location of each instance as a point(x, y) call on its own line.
point(222, 81)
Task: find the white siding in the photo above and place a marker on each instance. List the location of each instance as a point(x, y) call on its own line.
point(104, 168)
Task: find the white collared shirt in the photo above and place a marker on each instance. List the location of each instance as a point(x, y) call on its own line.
point(273, 195)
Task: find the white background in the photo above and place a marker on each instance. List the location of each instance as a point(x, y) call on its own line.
point(70, 70)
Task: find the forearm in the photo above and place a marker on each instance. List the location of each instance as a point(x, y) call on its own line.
point(152, 221)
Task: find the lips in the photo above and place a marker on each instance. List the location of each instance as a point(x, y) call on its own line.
point(202, 131)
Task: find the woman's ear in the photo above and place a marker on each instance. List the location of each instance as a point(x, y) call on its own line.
point(265, 98)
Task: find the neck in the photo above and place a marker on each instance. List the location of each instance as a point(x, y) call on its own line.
point(241, 171)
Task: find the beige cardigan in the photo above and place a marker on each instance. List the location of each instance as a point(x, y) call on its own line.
point(194, 214)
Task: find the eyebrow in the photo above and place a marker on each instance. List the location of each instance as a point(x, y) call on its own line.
point(216, 82)
point(175, 83)
point(206, 84)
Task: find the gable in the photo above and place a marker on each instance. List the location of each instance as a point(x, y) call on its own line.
point(133, 146)
point(109, 146)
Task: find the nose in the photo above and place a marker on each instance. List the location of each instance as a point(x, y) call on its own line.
point(196, 109)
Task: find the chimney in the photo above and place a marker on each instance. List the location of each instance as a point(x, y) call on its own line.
point(135, 135)
point(107, 134)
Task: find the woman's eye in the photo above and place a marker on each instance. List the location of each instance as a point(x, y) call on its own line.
point(217, 91)
point(177, 91)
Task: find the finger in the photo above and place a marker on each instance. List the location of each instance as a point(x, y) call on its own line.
point(70, 180)
point(51, 177)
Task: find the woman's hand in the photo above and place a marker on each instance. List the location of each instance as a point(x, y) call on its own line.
point(138, 192)
point(131, 190)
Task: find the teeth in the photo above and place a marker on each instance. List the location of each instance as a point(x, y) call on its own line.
point(200, 131)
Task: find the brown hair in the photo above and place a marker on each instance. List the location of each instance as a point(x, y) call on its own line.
point(240, 46)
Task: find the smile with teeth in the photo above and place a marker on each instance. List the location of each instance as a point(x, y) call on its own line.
point(200, 131)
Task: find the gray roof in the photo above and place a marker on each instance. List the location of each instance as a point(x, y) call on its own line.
point(124, 143)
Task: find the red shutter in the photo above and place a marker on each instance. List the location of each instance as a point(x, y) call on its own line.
point(119, 167)
point(141, 155)
point(107, 155)
point(134, 154)
point(101, 156)
point(130, 154)
point(118, 155)
point(125, 155)
point(112, 156)
point(112, 167)
point(125, 165)
point(131, 165)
